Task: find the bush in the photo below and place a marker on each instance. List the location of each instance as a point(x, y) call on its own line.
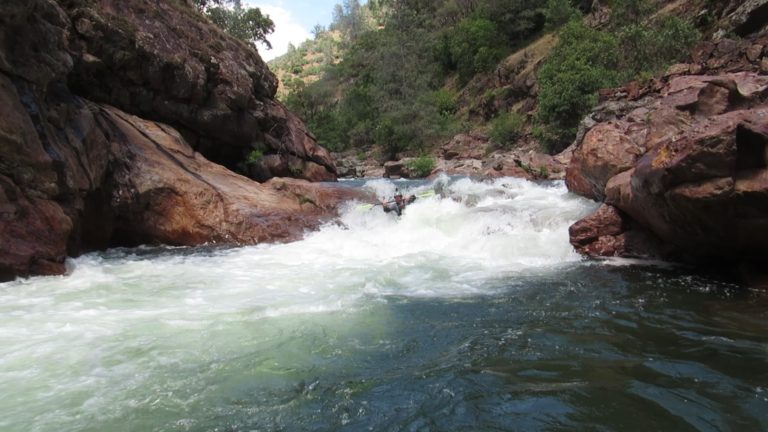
point(422, 166)
point(507, 129)
point(253, 157)
point(652, 48)
point(584, 61)
point(474, 47)
point(444, 102)
point(559, 12)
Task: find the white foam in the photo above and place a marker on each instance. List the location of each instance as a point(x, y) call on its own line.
point(100, 329)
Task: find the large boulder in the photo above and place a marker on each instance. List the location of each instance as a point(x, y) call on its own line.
point(76, 175)
point(690, 166)
point(107, 178)
point(609, 233)
point(164, 61)
point(605, 151)
point(171, 194)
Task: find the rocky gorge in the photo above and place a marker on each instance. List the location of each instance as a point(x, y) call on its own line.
point(679, 162)
point(122, 123)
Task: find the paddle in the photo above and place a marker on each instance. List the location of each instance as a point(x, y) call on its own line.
point(424, 194)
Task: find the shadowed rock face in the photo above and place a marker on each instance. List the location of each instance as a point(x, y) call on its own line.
point(163, 61)
point(76, 175)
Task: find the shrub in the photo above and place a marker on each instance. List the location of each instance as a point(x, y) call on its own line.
point(507, 129)
point(444, 102)
point(474, 47)
point(253, 157)
point(584, 61)
point(559, 12)
point(422, 166)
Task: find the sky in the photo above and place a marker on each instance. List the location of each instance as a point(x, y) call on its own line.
point(294, 20)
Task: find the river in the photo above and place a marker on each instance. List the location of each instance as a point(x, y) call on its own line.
point(470, 312)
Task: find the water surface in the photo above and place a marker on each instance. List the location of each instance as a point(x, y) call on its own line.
point(471, 312)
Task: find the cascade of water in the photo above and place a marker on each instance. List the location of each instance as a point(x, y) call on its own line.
point(335, 330)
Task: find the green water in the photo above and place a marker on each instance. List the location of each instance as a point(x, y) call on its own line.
point(469, 313)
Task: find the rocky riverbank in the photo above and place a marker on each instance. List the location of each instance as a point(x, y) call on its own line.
point(681, 162)
point(122, 123)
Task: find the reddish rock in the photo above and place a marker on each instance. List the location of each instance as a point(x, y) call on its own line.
point(465, 146)
point(171, 194)
point(678, 69)
point(608, 233)
point(702, 52)
point(754, 53)
point(702, 184)
point(166, 62)
point(77, 176)
point(34, 233)
point(605, 151)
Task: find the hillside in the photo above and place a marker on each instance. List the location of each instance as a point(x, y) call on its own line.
point(417, 75)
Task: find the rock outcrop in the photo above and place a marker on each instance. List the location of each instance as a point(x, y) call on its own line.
point(164, 62)
point(79, 175)
point(684, 157)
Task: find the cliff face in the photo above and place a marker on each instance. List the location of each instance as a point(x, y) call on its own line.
point(164, 62)
point(77, 173)
point(682, 162)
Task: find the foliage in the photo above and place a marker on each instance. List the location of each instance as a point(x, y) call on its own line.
point(559, 12)
point(390, 72)
point(422, 166)
point(473, 47)
point(247, 24)
point(586, 60)
point(253, 157)
point(507, 129)
point(444, 102)
point(651, 48)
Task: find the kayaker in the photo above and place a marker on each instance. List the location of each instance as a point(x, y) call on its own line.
point(398, 203)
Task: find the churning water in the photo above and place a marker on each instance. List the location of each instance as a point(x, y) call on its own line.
point(471, 312)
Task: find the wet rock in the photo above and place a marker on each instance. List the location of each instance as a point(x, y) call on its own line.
point(608, 232)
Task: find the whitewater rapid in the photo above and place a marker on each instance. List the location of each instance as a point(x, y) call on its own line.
point(156, 330)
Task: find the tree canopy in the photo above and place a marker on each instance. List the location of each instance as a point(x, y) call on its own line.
point(247, 24)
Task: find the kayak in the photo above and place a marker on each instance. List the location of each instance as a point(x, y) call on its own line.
point(388, 205)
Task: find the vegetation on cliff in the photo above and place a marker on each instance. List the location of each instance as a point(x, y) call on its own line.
point(408, 74)
point(244, 23)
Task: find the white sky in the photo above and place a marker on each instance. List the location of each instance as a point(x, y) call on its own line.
point(294, 20)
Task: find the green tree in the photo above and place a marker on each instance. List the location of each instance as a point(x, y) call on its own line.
point(474, 47)
point(584, 61)
point(243, 23)
point(507, 129)
point(559, 12)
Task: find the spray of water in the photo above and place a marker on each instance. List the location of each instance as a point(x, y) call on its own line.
point(148, 328)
